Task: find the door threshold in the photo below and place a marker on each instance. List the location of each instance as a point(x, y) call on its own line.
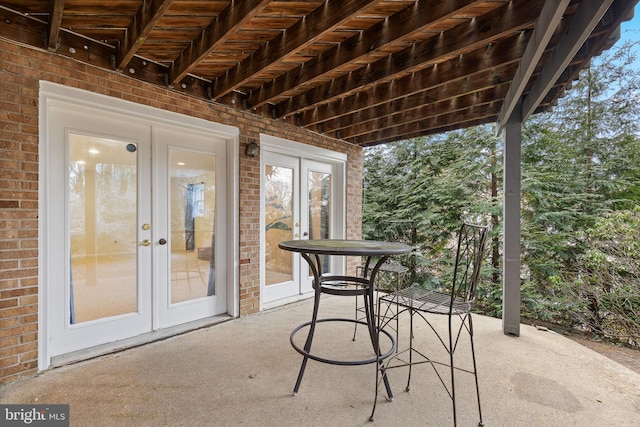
point(287, 300)
point(121, 345)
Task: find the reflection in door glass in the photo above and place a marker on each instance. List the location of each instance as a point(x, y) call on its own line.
point(319, 209)
point(103, 214)
point(278, 194)
point(192, 190)
point(319, 205)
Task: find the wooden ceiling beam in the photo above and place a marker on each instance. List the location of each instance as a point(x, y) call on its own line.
point(414, 18)
point(583, 22)
point(509, 19)
point(363, 79)
point(489, 61)
point(418, 114)
point(30, 31)
point(447, 91)
point(324, 19)
point(368, 142)
point(400, 111)
point(141, 26)
point(477, 114)
point(217, 32)
point(56, 9)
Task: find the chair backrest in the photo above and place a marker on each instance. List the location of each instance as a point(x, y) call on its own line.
point(469, 255)
point(402, 231)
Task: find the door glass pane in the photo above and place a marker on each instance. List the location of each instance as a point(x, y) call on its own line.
point(192, 190)
point(319, 205)
point(319, 185)
point(278, 193)
point(103, 214)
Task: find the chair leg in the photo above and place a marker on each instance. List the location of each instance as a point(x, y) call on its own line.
point(374, 334)
point(355, 325)
point(451, 367)
point(475, 370)
point(408, 387)
point(378, 363)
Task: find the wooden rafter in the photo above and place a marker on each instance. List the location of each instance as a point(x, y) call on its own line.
point(332, 14)
point(422, 15)
point(462, 38)
point(424, 112)
point(55, 18)
point(447, 91)
point(420, 132)
point(365, 71)
point(470, 116)
point(461, 71)
point(216, 34)
point(146, 18)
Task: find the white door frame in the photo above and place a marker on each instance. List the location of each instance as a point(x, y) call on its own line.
point(52, 93)
point(287, 147)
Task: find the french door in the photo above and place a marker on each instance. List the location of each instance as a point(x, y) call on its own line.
point(301, 200)
point(136, 230)
point(189, 183)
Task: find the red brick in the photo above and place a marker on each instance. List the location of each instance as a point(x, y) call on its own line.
point(21, 70)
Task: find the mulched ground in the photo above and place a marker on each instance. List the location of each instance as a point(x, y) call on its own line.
point(626, 356)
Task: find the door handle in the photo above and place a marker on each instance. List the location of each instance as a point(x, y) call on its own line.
point(145, 242)
point(162, 241)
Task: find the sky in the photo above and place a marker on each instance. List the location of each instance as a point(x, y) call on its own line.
point(630, 30)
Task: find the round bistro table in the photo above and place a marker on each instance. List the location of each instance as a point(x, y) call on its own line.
point(313, 252)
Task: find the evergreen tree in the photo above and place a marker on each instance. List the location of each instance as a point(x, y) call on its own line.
point(436, 183)
point(580, 166)
point(579, 163)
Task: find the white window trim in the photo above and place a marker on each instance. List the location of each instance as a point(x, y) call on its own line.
point(293, 148)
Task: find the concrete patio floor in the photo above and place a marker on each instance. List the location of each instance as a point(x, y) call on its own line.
point(242, 372)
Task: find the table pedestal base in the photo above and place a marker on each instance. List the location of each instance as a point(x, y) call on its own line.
point(306, 352)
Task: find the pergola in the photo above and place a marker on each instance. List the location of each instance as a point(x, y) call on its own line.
point(366, 72)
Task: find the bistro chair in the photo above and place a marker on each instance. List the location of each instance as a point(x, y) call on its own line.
point(454, 300)
point(396, 272)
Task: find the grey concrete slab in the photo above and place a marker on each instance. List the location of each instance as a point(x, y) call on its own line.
point(241, 373)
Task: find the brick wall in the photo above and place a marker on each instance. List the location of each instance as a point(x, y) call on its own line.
point(21, 69)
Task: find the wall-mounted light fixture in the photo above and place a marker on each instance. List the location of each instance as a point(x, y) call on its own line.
point(252, 149)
